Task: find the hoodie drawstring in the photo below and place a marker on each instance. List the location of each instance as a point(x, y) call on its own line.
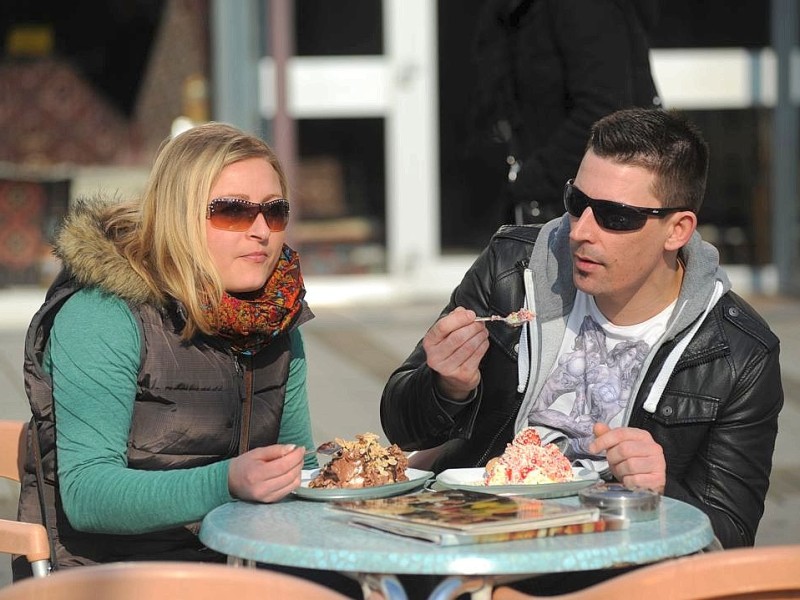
point(654, 397)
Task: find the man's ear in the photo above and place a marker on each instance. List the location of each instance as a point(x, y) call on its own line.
point(682, 227)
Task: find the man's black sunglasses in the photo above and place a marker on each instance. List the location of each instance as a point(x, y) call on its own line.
point(614, 216)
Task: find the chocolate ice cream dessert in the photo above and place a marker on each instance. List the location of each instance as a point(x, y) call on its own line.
point(361, 463)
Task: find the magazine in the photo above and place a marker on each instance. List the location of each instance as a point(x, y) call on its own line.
point(453, 516)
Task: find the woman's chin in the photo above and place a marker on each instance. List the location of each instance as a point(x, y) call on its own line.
point(250, 286)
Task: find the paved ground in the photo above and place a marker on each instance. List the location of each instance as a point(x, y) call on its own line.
point(352, 348)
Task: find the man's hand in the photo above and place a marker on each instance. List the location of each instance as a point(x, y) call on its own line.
point(454, 347)
point(266, 474)
point(635, 459)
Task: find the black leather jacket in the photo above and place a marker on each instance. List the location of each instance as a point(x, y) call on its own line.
point(717, 419)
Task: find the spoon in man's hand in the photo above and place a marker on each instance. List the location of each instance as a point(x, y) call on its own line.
point(515, 319)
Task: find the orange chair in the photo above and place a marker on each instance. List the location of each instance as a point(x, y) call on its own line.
point(166, 581)
point(29, 539)
point(742, 574)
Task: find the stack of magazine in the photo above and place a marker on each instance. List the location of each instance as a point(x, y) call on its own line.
point(449, 517)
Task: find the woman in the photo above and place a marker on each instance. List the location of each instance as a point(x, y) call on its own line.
point(166, 371)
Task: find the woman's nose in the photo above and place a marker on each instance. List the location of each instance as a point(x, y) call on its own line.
point(259, 227)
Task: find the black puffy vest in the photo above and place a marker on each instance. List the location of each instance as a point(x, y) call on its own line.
point(191, 409)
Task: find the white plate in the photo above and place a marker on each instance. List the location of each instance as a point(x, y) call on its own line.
point(472, 479)
point(416, 479)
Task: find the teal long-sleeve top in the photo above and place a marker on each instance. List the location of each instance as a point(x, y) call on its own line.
point(93, 357)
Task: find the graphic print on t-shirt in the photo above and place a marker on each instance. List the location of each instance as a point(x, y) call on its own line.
point(591, 382)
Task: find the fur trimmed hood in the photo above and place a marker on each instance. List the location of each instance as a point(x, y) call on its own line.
point(93, 258)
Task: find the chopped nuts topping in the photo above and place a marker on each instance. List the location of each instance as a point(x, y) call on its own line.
point(362, 462)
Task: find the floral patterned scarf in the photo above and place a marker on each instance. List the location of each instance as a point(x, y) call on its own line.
point(251, 321)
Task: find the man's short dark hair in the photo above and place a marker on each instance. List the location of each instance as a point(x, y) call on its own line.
point(661, 141)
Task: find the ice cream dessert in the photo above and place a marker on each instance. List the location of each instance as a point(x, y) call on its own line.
point(523, 315)
point(361, 463)
point(526, 461)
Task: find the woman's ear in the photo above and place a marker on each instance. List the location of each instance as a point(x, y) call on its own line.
point(682, 226)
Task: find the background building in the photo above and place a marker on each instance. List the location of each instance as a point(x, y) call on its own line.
point(366, 103)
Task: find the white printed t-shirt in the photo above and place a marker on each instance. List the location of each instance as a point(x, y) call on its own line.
point(594, 376)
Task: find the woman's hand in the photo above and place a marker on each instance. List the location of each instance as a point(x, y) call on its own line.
point(454, 347)
point(265, 474)
point(634, 457)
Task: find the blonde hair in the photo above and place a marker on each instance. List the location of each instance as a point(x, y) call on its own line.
point(163, 234)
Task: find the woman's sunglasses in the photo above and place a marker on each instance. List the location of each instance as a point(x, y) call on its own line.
point(614, 216)
point(235, 214)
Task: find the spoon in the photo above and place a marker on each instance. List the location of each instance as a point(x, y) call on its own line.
point(515, 319)
point(330, 448)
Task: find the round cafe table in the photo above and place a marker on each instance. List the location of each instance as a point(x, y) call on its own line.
point(308, 534)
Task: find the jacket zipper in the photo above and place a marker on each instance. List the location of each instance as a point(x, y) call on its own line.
point(485, 457)
point(521, 265)
point(247, 405)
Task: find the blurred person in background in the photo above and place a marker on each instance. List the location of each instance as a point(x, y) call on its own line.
point(545, 71)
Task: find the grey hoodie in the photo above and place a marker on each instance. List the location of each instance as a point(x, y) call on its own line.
point(550, 293)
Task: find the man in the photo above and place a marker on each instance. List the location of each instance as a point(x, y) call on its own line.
point(683, 394)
